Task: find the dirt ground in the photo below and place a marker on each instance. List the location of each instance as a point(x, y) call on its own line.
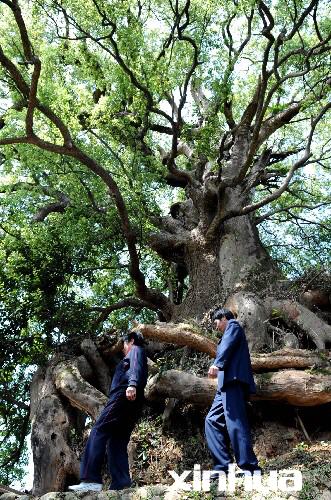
point(278, 446)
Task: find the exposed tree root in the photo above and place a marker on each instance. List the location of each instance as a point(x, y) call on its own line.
point(181, 385)
point(299, 388)
point(294, 313)
point(295, 387)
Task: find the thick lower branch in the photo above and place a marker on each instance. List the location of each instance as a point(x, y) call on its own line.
point(186, 335)
point(297, 388)
point(288, 358)
point(181, 334)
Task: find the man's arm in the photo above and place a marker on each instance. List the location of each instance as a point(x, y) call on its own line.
point(137, 363)
point(230, 340)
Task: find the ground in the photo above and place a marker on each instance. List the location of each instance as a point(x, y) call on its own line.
point(277, 446)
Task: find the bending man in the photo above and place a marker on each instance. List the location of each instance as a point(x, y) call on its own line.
point(116, 422)
point(227, 420)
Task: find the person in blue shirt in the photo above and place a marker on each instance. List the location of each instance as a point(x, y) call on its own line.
point(227, 420)
point(114, 425)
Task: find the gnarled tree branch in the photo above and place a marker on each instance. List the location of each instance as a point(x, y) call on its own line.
point(298, 388)
point(69, 381)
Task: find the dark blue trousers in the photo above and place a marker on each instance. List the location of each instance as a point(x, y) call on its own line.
point(111, 431)
point(227, 423)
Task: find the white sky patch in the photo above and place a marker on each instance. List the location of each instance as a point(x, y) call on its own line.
point(310, 170)
point(27, 481)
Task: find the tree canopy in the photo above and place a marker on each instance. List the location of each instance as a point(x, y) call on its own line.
point(131, 130)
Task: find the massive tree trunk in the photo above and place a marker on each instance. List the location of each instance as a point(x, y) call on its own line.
point(205, 282)
point(224, 263)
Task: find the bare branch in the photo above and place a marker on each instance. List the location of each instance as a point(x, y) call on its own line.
point(200, 99)
point(15, 74)
point(59, 206)
point(268, 23)
point(300, 21)
point(273, 123)
point(162, 129)
point(127, 302)
point(287, 209)
point(318, 33)
point(27, 46)
point(32, 101)
point(14, 140)
point(218, 219)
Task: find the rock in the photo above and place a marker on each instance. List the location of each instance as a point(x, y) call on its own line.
point(172, 495)
point(325, 495)
point(291, 340)
point(147, 492)
point(53, 495)
point(70, 495)
point(108, 495)
point(9, 496)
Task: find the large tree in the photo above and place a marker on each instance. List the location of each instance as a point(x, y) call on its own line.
point(113, 111)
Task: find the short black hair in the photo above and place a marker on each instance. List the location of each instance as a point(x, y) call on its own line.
point(138, 338)
point(222, 312)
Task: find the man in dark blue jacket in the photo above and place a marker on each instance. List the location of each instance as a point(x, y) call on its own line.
point(227, 420)
point(116, 422)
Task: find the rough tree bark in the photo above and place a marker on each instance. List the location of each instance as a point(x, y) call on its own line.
point(51, 422)
point(55, 392)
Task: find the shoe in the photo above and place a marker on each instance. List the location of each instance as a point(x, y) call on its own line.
point(86, 487)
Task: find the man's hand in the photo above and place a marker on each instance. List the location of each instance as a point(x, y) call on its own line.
point(212, 372)
point(131, 393)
